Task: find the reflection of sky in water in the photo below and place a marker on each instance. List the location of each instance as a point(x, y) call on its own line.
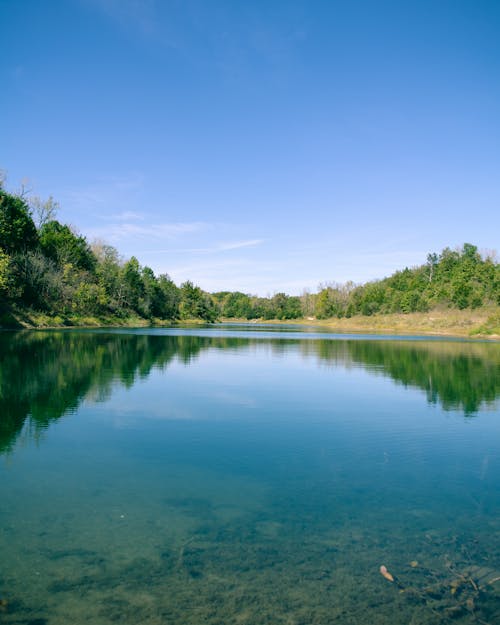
point(257, 466)
point(271, 392)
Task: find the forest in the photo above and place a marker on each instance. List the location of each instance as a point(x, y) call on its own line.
point(46, 266)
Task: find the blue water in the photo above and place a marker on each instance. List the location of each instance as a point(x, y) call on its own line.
point(248, 475)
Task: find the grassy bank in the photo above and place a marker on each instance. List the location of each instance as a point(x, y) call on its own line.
point(481, 322)
point(28, 319)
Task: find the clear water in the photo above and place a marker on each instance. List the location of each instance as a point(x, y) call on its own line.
point(248, 475)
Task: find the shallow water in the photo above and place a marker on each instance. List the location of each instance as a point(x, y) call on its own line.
point(248, 475)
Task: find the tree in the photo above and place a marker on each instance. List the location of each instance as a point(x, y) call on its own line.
point(17, 230)
point(432, 260)
point(108, 272)
point(170, 299)
point(4, 271)
point(89, 298)
point(195, 303)
point(151, 301)
point(132, 282)
point(38, 281)
point(307, 303)
point(323, 304)
point(470, 253)
point(333, 300)
point(60, 244)
point(234, 304)
point(293, 307)
point(43, 210)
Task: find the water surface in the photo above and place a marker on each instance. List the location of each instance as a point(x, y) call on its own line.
point(248, 475)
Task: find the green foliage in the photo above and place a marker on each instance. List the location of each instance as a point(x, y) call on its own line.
point(4, 270)
point(457, 279)
point(131, 279)
point(334, 300)
point(324, 307)
point(108, 273)
point(238, 305)
point(454, 278)
point(56, 271)
point(169, 298)
point(36, 281)
point(17, 230)
point(62, 245)
point(89, 298)
point(195, 303)
point(234, 304)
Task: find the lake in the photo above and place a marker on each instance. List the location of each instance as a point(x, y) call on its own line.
point(248, 475)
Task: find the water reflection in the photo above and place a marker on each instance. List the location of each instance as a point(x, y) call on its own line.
point(300, 472)
point(44, 375)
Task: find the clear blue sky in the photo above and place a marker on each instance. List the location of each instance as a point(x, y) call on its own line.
point(259, 145)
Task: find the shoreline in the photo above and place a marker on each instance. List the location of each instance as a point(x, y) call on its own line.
point(481, 323)
point(436, 323)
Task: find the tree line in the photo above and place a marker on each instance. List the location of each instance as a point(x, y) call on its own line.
point(47, 266)
point(460, 278)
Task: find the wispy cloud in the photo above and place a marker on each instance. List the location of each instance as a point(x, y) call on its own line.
point(106, 197)
point(222, 273)
point(115, 232)
point(224, 247)
point(127, 216)
point(240, 244)
point(214, 249)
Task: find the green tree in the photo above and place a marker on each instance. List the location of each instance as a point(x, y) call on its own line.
point(195, 303)
point(234, 304)
point(170, 297)
point(293, 307)
point(133, 284)
point(37, 281)
point(278, 305)
point(59, 243)
point(152, 298)
point(89, 298)
point(17, 230)
point(108, 272)
point(323, 304)
point(4, 271)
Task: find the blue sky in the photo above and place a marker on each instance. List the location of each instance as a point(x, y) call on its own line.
point(259, 145)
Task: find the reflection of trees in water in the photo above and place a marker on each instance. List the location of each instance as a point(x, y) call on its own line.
point(459, 376)
point(460, 381)
point(44, 375)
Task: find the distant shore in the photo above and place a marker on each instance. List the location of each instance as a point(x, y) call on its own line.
point(477, 323)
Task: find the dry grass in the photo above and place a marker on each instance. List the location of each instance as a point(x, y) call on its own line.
point(483, 322)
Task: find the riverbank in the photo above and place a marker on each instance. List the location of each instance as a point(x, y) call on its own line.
point(481, 322)
point(17, 319)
